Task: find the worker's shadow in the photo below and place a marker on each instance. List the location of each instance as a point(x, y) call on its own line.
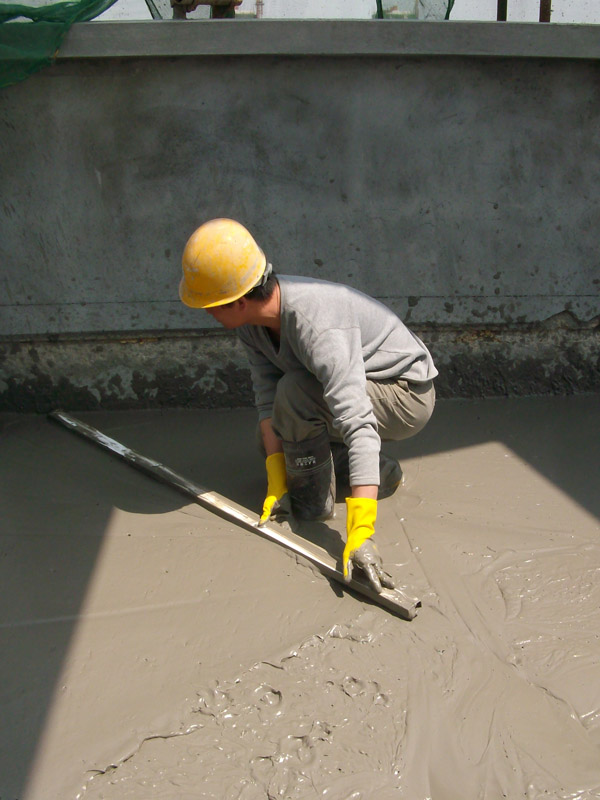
point(326, 535)
point(323, 534)
point(215, 451)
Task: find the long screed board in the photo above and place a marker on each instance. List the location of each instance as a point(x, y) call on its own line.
point(395, 600)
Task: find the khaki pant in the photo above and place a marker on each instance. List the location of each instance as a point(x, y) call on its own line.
point(401, 408)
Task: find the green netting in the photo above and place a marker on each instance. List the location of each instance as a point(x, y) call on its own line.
point(30, 33)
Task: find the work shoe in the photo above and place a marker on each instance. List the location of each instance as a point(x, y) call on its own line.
point(390, 472)
point(310, 478)
point(390, 476)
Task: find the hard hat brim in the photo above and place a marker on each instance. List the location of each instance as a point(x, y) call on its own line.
point(191, 299)
point(197, 300)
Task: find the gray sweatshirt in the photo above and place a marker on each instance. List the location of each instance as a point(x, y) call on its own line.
point(342, 337)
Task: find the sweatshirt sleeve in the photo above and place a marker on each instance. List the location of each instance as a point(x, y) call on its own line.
point(335, 358)
point(264, 375)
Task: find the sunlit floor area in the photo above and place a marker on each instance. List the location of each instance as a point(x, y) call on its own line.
point(153, 649)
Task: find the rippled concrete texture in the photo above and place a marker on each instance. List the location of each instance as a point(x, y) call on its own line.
point(151, 649)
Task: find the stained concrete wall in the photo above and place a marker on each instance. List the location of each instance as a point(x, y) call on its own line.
point(449, 169)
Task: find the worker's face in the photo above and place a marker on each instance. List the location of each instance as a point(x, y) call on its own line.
point(230, 315)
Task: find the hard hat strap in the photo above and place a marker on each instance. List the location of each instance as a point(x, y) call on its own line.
point(265, 275)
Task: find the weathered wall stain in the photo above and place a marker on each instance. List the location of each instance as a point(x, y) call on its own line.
point(209, 370)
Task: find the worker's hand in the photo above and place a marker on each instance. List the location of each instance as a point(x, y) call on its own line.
point(276, 485)
point(361, 551)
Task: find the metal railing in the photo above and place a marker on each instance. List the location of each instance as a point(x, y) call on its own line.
point(225, 9)
point(545, 10)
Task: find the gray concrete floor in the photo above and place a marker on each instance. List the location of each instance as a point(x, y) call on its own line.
point(123, 606)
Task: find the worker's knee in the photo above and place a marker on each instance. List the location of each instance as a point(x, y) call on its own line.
point(299, 409)
point(297, 389)
point(401, 408)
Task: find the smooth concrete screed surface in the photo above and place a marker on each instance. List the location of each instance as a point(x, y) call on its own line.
point(151, 649)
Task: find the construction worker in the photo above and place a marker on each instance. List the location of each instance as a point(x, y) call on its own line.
point(333, 371)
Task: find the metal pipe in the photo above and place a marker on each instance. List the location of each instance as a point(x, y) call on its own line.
point(545, 10)
point(501, 16)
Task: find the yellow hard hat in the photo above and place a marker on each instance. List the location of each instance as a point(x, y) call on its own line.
point(221, 262)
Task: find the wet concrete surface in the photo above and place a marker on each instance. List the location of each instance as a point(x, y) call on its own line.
point(151, 649)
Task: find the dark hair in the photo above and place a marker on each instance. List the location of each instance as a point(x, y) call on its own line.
point(264, 291)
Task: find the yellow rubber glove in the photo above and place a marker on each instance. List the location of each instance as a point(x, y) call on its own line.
point(276, 484)
point(360, 551)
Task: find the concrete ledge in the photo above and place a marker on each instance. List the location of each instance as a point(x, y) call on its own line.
point(209, 369)
point(330, 38)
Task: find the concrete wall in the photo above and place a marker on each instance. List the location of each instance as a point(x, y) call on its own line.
point(449, 169)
